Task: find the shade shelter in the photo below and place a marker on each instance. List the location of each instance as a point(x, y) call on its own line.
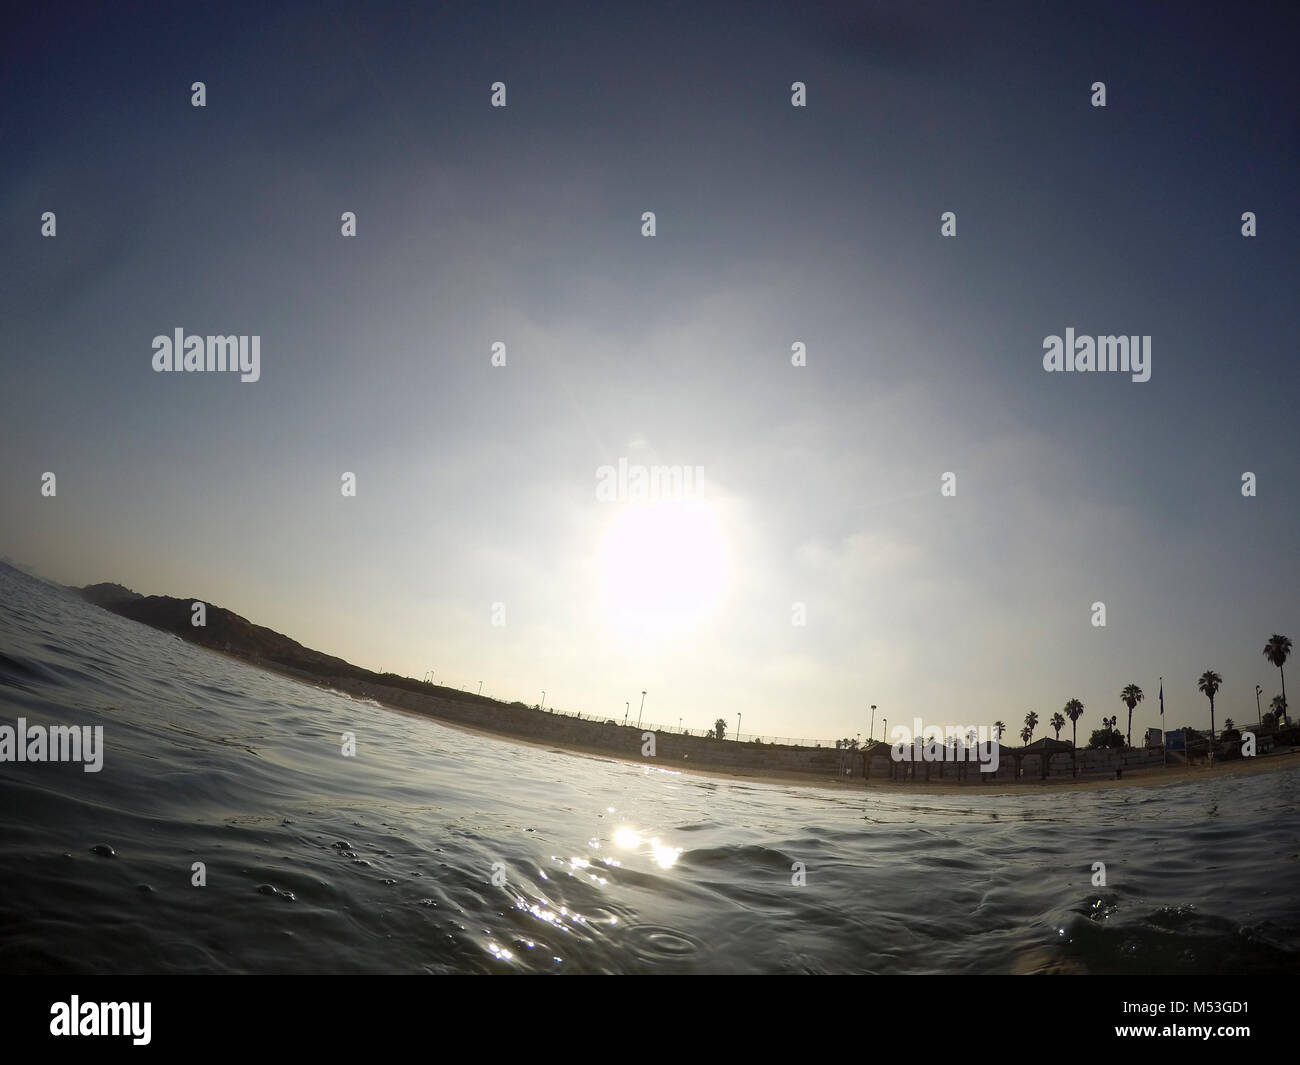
point(1045, 749)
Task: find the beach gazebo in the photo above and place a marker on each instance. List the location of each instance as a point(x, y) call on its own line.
point(1045, 749)
point(874, 749)
point(1006, 756)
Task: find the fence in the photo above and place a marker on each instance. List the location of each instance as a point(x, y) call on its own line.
point(683, 730)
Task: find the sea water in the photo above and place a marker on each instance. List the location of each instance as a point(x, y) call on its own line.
point(226, 831)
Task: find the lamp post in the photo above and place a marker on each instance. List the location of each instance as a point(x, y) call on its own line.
point(1259, 714)
point(480, 687)
point(641, 711)
point(627, 709)
point(872, 736)
point(543, 706)
point(737, 728)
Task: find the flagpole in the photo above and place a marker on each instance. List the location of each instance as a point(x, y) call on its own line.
point(1164, 739)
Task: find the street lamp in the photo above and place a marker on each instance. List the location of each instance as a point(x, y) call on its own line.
point(1259, 714)
point(627, 709)
point(543, 705)
point(641, 711)
point(480, 687)
point(873, 723)
point(737, 728)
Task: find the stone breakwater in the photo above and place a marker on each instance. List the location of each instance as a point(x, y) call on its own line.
point(672, 750)
point(1013, 765)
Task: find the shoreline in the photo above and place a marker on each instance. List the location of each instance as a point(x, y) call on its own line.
point(1147, 777)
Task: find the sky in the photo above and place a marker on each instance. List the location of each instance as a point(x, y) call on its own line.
point(816, 567)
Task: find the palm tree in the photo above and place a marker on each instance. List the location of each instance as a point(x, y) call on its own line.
point(1209, 685)
point(1276, 651)
point(1026, 734)
point(720, 729)
point(1031, 723)
point(1278, 706)
point(1074, 711)
point(998, 729)
point(1130, 697)
point(1058, 723)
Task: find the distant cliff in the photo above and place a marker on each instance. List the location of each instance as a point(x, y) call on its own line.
point(227, 631)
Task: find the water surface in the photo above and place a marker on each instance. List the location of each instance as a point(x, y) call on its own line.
point(386, 862)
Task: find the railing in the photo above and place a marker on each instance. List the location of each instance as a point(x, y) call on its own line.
point(651, 726)
point(780, 741)
point(685, 730)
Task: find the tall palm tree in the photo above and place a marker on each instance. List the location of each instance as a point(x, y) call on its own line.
point(1058, 723)
point(1276, 651)
point(1209, 685)
point(998, 728)
point(1278, 706)
point(1026, 734)
point(1074, 711)
point(1031, 723)
point(1130, 697)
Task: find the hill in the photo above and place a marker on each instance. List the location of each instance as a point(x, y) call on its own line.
point(229, 632)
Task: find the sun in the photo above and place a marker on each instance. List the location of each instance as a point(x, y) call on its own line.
point(664, 566)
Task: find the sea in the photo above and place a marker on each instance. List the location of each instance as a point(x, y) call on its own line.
point(242, 822)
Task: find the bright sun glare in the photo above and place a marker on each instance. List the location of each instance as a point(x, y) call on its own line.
point(664, 566)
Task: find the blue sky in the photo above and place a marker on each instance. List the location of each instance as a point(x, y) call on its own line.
point(775, 224)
